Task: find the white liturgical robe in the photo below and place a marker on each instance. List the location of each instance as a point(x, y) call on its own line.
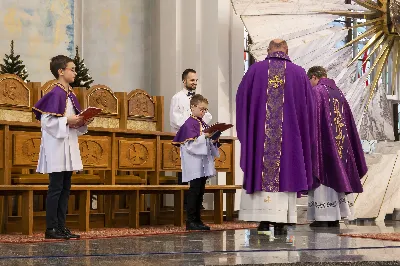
point(197, 158)
point(276, 207)
point(180, 110)
point(59, 148)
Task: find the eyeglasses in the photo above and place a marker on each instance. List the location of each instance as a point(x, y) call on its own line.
point(202, 109)
point(72, 70)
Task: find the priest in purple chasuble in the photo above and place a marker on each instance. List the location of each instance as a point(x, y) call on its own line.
point(275, 114)
point(340, 160)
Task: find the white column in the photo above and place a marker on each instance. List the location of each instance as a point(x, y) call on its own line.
point(78, 26)
point(188, 34)
point(208, 65)
point(165, 57)
point(230, 72)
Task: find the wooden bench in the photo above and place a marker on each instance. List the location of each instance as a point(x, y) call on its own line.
point(41, 179)
point(133, 192)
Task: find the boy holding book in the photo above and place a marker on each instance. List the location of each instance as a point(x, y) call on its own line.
point(198, 151)
point(59, 150)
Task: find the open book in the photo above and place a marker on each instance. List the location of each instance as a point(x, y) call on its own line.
point(90, 112)
point(217, 129)
point(221, 127)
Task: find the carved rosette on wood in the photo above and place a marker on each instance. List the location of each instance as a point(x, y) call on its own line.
point(95, 151)
point(26, 148)
point(137, 154)
point(171, 158)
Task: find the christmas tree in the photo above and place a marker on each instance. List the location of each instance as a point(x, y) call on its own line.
point(13, 65)
point(82, 79)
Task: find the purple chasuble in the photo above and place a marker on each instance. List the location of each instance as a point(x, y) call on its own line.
point(55, 102)
point(275, 126)
point(341, 162)
point(190, 130)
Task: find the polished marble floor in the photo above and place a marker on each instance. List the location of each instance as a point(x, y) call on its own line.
point(301, 246)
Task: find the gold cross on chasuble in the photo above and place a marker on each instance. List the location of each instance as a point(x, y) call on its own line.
point(276, 82)
point(273, 126)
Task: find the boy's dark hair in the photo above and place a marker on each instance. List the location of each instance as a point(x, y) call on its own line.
point(198, 98)
point(317, 71)
point(59, 62)
point(186, 73)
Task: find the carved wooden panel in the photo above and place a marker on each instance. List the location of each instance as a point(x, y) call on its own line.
point(48, 86)
point(102, 97)
point(141, 105)
point(224, 162)
point(26, 148)
point(138, 153)
point(95, 151)
point(171, 158)
point(13, 91)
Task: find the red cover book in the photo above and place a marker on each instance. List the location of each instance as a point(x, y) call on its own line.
point(218, 127)
point(90, 112)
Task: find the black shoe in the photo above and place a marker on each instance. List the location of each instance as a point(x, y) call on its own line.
point(319, 224)
point(67, 232)
point(333, 224)
point(202, 207)
point(200, 222)
point(55, 234)
point(280, 228)
point(263, 227)
point(193, 226)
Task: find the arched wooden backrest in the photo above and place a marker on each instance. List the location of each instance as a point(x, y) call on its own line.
point(103, 97)
point(141, 105)
point(47, 87)
point(14, 92)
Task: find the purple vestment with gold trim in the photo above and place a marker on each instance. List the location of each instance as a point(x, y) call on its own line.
point(341, 162)
point(275, 126)
point(55, 102)
point(190, 130)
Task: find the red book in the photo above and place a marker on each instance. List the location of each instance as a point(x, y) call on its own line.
point(90, 112)
point(221, 127)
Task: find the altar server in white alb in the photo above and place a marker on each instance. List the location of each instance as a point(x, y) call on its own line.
point(198, 151)
point(180, 106)
point(180, 102)
point(59, 150)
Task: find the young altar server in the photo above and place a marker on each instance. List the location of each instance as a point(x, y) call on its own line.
point(59, 150)
point(198, 151)
point(180, 109)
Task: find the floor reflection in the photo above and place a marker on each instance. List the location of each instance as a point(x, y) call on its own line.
point(299, 244)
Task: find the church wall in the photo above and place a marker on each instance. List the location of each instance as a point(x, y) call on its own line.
point(40, 29)
point(116, 37)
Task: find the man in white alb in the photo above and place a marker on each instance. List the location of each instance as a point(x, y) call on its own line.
point(180, 106)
